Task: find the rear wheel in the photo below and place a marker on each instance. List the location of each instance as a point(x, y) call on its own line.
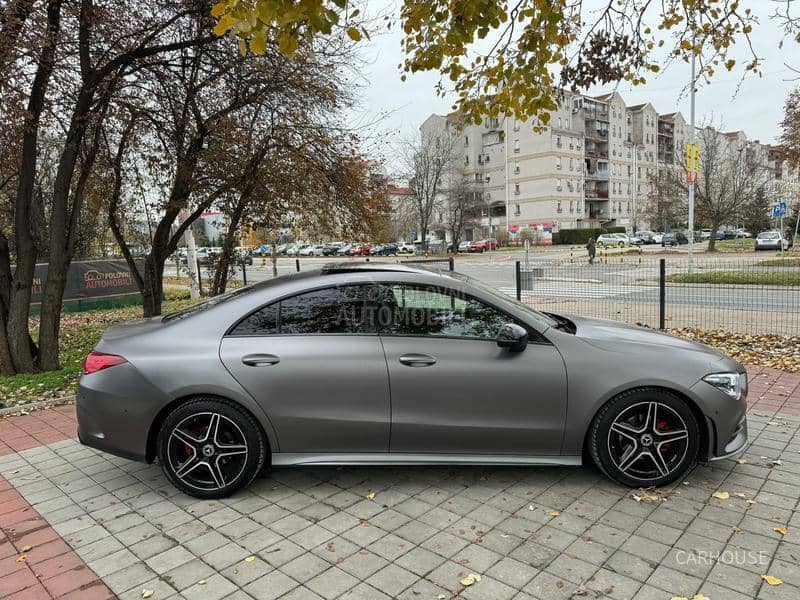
point(210, 448)
point(645, 437)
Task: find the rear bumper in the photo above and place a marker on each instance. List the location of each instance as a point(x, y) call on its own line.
point(116, 408)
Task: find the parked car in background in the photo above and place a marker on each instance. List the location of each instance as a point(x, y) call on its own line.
point(635, 240)
point(388, 250)
point(674, 238)
point(771, 240)
point(491, 244)
point(330, 249)
point(406, 249)
point(464, 246)
point(741, 233)
point(658, 237)
point(306, 250)
point(359, 250)
point(645, 236)
point(477, 246)
point(611, 239)
point(344, 250)
point(241, 255)
point(705, 234)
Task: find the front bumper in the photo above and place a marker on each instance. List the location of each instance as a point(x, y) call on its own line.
point(726, 421)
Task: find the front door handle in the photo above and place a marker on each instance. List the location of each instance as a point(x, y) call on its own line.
point(418, 360)
point(260, 360)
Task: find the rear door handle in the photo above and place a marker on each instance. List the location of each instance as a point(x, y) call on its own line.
point(260, 360)
point(418, 360)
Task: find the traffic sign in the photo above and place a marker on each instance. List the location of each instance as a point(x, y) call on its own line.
point(779, 210)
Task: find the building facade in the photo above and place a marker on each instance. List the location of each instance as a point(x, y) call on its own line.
point(591, 167)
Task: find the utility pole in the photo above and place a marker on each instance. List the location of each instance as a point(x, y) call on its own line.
point(508, 183)
point(691, 141)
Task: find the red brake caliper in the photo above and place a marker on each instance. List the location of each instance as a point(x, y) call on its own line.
point(662, 426)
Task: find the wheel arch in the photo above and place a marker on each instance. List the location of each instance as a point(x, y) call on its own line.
point(155, 425)
point(707, 433)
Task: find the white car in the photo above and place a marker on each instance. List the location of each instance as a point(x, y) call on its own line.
point(306, 251)
point(771, 240)
point(406, 248)
point(612, 239)
point(658, 237)
point(293, 250)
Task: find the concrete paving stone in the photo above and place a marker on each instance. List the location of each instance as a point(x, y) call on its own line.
point(271, 586)
point(780, 592)
point(388, 520)
point(152, 546)
point(311, 537)
point(362, 564)
point(364, 591)
point(86, 536)
point(160, 589)
point(630, 566)
point(188, 574)
point(414, 531)
point(100, 549)
point(654, 531)
point(420, 561)
point(242, 572)
point(674, 582)
point(128, 578)
point(571, 569)
point(289, 525)
point(489, 588)
point(546, 586)
point(137, 533)
point(220, 517)
point(305, 567)
point(392, 580)
point(215, 587)
point(205, 543)
point(169, 559)
point(512, 572)
point(364, 534)
point(295, 502)
point(423, 589)
point(281, 552)
point(111, 562)
point(476, 557)
point(613, 585)
point(187, 532)
point(225, 556)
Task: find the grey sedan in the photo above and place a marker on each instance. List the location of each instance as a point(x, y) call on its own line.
point(383, 364)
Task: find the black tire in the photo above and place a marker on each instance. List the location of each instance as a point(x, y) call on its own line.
point(185, 442)
point(609, 449)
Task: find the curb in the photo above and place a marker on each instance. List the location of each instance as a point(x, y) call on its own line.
point(38, 405)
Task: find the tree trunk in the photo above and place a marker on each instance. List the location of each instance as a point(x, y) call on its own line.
point(712, 241)
point(153, 285)
point(224, 259)
point(6, 364)
point(274, 259)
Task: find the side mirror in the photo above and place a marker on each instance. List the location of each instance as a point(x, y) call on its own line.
point(513, 337)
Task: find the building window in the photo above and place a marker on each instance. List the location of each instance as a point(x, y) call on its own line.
point(516, 125)
point(516, 167)
point(517, 212)
point(558, 185)
point(466, 140)
point(558, 162)
point(516, 189)
point(516, 146)
point(558, 141)
point(558, 206)
point(466, 160)
point(571, 206)
point(559, 122)
point(571, 163)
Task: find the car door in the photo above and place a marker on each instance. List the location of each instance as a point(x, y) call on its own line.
point(319, 375)
point(454, 390)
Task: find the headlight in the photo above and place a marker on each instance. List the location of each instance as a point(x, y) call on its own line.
point(730, 384)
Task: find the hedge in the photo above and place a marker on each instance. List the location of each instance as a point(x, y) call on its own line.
point(581, 236)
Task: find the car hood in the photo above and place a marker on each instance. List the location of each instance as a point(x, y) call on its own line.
point(623, 337)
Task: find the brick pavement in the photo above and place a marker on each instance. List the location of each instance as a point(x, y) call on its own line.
point(310, 533)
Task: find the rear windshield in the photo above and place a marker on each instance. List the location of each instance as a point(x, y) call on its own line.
point(768, 235)
point(210, 303)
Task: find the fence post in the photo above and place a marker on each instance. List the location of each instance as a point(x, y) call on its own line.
point(199, 278)
point(451, 263)
point(518, 279)
point(244, 271)
point(297, 264)
point(662, 291)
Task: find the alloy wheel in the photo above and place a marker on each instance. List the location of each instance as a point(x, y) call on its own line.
point(648, 441)
point(207, 451)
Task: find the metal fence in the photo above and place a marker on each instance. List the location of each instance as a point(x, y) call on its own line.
point(753, 294)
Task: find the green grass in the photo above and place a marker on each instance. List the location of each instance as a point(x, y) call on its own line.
point(780, 262)
point(785, 278)
point(740, 245)
point(79, 333)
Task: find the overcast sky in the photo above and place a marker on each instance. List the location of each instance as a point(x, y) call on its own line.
point(757, 108)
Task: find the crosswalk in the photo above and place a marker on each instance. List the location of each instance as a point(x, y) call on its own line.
point(576, 290)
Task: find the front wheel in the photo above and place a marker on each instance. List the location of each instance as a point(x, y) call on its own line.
point(646, 437)
point(209, 448)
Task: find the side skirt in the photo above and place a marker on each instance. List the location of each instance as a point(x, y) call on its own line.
point(284, 459)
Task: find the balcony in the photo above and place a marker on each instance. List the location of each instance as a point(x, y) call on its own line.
point(593, 133)
point(591, 194)
point(597, 175)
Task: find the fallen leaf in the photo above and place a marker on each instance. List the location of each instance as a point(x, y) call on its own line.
point(740, 495)
point(22, 558)
point(750, 502)
point(441, 597)
point(735, 529)
point(147, 593)
point(771, 580)
point(679, 598)
point(26, 549)
point(700, 597)
point(530, 507)
point(721, 495)
point(371, 495)
point(201, 582)
point(554, 513)
point(777, 462)
point(470, 579)
point(249, 559)
point(559, 584)
point(742, 461)
point(782, 529)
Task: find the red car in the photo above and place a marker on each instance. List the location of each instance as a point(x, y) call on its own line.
point(491, 244)
point(477, 246)
point(359, 250)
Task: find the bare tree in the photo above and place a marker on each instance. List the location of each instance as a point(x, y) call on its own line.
point(666, 200)
point(462, 209)
point(429, 163)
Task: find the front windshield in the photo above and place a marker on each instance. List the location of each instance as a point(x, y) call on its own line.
point(543, 319)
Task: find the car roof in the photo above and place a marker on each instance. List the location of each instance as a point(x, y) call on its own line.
point(371, 267)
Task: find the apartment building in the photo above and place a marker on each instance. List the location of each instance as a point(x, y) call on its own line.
point(591, 167)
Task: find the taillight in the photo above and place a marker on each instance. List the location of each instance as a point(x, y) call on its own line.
point(97, 361)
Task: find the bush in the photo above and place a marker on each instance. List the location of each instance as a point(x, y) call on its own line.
point(581, 236)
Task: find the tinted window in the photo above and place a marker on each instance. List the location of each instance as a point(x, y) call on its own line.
point(329, 310)
point(410, 310)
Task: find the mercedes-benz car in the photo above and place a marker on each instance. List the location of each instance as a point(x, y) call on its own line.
point(379, 364)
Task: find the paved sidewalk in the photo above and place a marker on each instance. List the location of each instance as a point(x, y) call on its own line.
point(111, 527)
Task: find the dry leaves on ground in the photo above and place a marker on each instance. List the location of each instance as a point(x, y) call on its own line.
point(771, 580)
point(721, 495)
point(775, 351)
